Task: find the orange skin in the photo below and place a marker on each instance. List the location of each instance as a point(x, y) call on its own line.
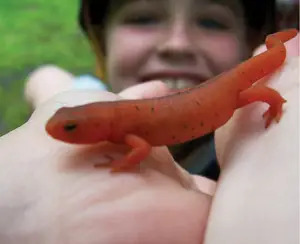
point(178, 117)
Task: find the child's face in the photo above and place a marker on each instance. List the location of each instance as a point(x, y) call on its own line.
point(181, 42)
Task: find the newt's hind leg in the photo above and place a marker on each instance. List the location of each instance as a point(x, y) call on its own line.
point(264, 94)
point(140, 150)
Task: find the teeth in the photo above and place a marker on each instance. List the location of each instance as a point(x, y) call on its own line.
point(178, 83)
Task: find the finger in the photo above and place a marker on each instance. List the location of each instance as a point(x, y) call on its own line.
point(44, 83)
point(69, 99)
point(205, 185)
point(293, 47)
point(146, 90)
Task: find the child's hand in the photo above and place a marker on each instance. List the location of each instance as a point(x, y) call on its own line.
point(258, 194)
point(51, 192)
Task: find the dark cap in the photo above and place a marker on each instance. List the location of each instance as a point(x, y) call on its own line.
point(97, 11)
point(259, 14)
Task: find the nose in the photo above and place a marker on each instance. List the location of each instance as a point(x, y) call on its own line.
point(177, 46)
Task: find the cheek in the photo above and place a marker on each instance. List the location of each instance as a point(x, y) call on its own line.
point(224, 51)
point(127, 52)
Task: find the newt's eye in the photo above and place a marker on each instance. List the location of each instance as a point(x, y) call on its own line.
point(70, 127)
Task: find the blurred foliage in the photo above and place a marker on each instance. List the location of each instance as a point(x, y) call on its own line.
point(33, 33)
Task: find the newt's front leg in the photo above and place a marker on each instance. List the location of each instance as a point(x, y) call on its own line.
point(140, 150)
point(264, 94)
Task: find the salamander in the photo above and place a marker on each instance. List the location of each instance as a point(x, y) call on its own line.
point(177, 117)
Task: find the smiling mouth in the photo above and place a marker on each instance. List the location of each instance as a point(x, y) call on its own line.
point(177, 82)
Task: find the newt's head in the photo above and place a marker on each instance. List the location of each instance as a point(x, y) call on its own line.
point(79, 125)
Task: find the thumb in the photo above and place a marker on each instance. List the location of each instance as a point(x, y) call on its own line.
point(146, 90)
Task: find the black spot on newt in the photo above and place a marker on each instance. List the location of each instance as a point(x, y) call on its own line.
point(152, 109)
point(197, 102)
point(137, 108)
point(201, 123)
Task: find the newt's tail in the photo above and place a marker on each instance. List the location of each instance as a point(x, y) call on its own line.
point(282, 36)
point(267, 62)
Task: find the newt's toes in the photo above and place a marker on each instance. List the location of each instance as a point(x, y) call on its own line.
point(273, 114)
point(120, 166)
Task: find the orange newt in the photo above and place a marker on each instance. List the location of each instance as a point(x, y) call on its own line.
point(177, 117)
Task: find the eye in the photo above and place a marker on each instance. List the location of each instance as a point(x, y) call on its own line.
point(142, 19)
point(211, 24)
point(70, 127)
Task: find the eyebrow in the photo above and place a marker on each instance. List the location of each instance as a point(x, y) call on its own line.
point(130, 1)
point(149, 0)
point(234, 5)
point(122, 2)
point(117, 4)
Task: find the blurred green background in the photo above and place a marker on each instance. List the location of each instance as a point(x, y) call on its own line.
point(33, 33)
